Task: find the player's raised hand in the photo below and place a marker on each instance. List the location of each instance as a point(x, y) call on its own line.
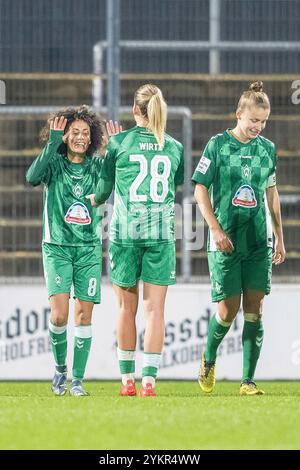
point(91, 197)
point(58, 123)
point(112, 128)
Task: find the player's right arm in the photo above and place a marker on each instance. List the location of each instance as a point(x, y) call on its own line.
point(107, 176)
point(108, 168)
point(204, 177)
point(40, 170)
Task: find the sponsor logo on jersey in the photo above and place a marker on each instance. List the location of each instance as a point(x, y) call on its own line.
point(78, 214)
point(244, 197)
point(203, 165)
point(246, 156)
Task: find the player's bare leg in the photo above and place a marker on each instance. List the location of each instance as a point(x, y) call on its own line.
point(154, 306)
point(127, 298)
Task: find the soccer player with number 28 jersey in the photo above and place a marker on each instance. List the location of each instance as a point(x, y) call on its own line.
point(71, 246)
point(145, 165)
point(237, 195)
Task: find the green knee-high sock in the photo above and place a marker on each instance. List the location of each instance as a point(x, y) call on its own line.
point(217, 329)
point(252, 339)
point(58, 338)
point(82, 346)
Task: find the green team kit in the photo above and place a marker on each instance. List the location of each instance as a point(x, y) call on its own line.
point(237, 175)
point(145, 176)
point(71, 244)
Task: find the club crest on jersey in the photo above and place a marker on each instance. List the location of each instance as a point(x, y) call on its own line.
point(244, 197)
point(246, 171)
point(77, 190)
point(78, 214)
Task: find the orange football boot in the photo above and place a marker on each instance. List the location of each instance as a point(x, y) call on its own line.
point(128, 390)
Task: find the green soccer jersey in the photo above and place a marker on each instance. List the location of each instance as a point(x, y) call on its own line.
point(68, 217)
point(145, 177)
point(237, 175)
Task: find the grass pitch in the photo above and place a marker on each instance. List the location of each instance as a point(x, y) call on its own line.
point(180, 417)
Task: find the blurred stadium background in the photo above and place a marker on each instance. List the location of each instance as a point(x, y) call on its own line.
point(202, 53)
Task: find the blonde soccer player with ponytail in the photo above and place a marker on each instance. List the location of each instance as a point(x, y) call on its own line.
point(145, 165)
point(237, 195)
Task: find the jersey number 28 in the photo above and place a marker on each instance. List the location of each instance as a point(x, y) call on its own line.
point(156, 178)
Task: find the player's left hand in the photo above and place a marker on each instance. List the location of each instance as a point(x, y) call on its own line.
point(91, 197)
point(279, 252)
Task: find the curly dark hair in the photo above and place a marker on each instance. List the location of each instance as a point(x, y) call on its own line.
point(84, 113)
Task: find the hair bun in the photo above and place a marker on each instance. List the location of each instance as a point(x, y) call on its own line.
point(256, 86)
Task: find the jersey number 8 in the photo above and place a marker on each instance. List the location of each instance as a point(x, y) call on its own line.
point(156, 178)
point(92, 286)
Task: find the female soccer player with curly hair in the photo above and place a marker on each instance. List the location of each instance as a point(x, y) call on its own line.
point(69, 170)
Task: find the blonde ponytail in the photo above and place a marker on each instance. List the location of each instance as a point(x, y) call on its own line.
point(254, 96)
point(153, 107)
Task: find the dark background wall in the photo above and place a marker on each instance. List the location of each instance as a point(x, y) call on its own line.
point(58, 35)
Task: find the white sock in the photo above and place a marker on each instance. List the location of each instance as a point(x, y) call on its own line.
point(126, 377)
point(148, 380)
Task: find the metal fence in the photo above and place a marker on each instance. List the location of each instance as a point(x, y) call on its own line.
point(21, 206)
point(60, 37)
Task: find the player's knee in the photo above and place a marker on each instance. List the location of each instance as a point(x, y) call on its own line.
point(253, 305)
point(227, 314)
point(228, 309)
point(127, 311)
point(83, 318)
point(58, 318)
